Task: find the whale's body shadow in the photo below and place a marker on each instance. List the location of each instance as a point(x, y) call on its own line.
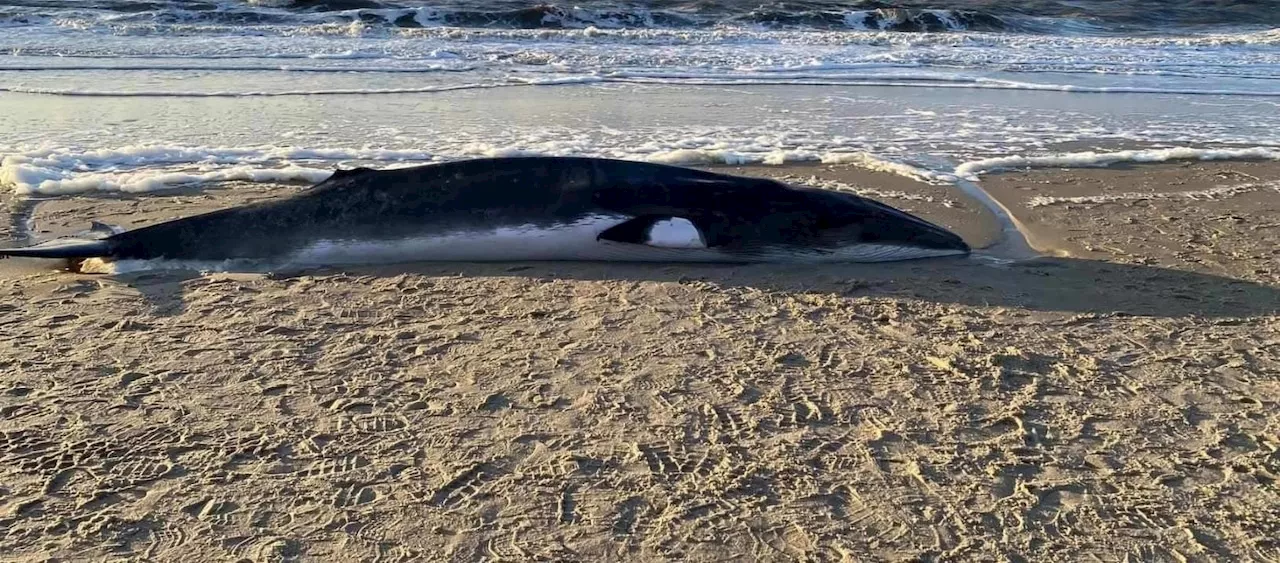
point(1067, 285)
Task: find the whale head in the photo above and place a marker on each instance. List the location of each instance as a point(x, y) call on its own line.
point(861, 229)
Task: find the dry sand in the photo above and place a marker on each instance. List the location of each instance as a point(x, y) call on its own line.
point(1118, 405)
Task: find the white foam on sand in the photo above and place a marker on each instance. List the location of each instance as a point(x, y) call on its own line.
point(704, 156)
point(1091, 159)
point(924, 80)
point(873, 162)
point(779, 157)
point(164, 65)
point(145, 155)
point(142, 168)
point(688, 77)
point(29, 182)
point(101, 93)
point(66, 170)
point(1218, 192)
point(145, 168)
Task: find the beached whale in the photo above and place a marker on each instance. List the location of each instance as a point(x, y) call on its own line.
point(526, 209)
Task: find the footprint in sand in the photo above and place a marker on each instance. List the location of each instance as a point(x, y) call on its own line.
point(161, 540)
point(464, 486)
point(727, 423)
point(378, 423)
point(629, 516)
point(790, 540)
point(262, 548)
point(567, 506)
point(212, 509)
point(328, 467)
point(838, 502)
point(807, 405)
point(355, 495)
point(138, 470)
point(662, 464)
point(16, 445)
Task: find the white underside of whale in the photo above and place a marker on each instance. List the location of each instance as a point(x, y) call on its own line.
point(673, 240)
point(668, 241)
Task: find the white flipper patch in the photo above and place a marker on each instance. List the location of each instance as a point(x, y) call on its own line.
point(676, 232)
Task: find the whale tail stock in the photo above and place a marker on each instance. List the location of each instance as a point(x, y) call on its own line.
point(61, 248)
point(74, 251)
point(88, 244)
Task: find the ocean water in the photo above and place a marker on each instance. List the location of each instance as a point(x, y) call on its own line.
point(129, 96)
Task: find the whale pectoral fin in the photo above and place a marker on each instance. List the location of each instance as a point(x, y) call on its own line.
point(632, 231)
point(664, 231)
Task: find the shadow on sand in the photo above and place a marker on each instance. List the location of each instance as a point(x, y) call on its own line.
point(1043, 284)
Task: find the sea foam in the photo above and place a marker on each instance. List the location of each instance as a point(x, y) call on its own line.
point(971, 170)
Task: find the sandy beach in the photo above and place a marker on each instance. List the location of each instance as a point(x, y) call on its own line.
point(1112, 401)
point(1098, 381)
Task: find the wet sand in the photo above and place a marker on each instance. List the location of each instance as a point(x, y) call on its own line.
point(1213, 217)
point(1116, 401)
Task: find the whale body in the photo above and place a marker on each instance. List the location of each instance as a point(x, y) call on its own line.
point(529, 209)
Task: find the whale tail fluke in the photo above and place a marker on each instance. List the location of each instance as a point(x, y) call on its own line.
point(61, 248)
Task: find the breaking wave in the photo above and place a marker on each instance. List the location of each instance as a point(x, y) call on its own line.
point(1048, 16)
